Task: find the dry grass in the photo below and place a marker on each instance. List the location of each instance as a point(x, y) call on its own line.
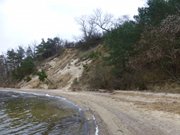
point(173, 107)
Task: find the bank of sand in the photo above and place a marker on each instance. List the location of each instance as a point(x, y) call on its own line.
point(128, 113)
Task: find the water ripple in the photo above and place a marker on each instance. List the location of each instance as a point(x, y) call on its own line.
point(34, 114)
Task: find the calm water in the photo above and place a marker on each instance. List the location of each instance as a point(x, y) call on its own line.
point(28, 114)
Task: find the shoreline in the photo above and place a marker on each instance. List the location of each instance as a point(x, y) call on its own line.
point(126, 112)
point(90, 118)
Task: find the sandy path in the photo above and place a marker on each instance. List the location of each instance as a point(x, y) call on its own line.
point(129, 113)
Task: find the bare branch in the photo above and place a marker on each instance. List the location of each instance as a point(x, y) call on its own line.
point(88, 27)
point(103, 21)
point(92, 25)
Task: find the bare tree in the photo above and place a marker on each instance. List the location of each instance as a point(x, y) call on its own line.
point(101, 20)
point(92, 25)
point(88, 27)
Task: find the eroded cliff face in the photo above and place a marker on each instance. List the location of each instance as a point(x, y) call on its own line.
point(62, 71)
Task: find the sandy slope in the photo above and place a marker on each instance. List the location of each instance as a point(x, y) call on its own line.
point(129, 113)
point(61, 71)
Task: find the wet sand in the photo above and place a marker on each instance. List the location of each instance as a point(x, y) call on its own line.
point(127, 113)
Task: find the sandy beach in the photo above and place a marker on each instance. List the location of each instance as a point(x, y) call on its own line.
point(126, 113)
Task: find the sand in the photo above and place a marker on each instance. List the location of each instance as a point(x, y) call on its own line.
point(127, 113)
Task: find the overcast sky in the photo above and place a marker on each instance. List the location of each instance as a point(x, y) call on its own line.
point(25, 21)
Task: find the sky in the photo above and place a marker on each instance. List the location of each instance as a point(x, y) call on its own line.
point(23, 22)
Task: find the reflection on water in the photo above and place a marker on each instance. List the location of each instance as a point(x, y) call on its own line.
point(31, 114)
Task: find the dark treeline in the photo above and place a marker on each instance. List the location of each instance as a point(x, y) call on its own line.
point(141, 51)
point(147, 50)
point(19, 63)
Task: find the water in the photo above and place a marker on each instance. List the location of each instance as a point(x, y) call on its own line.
point(28, 114)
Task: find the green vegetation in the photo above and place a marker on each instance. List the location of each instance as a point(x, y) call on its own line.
point(142, 53)
point(17, 64)
point(49, 48)
point(147, 50)
point(26, 67)
point(42, 75)
point(156, 11)
point(120, 42)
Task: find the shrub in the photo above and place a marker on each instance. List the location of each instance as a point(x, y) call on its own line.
point(94, 55)
point(28, 78)
point(27, 67)
point(42, 75)
point(100, 77)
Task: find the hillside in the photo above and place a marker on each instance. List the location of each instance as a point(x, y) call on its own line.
point(61, 72)
point(86, 70)
point(112, 54)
